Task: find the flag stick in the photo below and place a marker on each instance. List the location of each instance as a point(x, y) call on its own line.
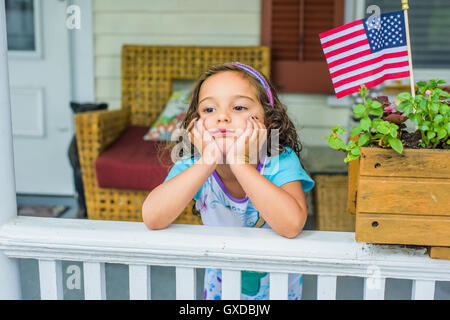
point(405, 8)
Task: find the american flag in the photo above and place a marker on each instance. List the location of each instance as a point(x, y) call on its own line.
point(367, 51)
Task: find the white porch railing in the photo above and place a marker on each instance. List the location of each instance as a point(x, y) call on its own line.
point(325, 254)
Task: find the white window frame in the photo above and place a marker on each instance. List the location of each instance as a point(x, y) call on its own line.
point(37, 52)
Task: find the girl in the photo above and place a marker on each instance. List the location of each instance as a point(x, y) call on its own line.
point(232, 109)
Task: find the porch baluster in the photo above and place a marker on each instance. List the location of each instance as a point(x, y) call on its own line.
point(326, 287)
point(231, 284)
point(186, 283)
point(423, 290)
point(278, 286)
point(139, 277)
point(94, 281)
point(374, 288)
point(51, 280)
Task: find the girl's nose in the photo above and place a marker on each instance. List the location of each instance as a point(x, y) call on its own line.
point(223, 117)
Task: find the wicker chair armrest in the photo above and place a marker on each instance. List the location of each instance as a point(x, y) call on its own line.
point(96, 130)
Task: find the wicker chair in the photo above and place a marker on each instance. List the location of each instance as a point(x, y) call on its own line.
point(147, 74)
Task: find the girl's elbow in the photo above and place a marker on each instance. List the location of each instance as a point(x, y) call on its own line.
point(153, 224)
point(293, 233)
point(296, 227)
point(150, 220)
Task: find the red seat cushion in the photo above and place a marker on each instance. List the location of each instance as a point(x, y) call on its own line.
point(132, 163)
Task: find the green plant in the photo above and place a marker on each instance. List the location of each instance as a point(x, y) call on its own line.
point(382, 123)
point(429, 112)
point(370, 130)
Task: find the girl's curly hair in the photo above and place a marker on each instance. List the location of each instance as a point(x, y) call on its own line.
point(274, 118)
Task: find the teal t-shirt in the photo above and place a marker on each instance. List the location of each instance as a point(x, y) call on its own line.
point(280, 169)
point(219, 208)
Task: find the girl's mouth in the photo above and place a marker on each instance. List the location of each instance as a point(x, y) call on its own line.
point(222, 132)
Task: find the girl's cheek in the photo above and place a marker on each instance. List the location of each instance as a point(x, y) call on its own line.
point(209, 122)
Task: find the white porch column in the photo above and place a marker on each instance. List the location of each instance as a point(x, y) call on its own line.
point(9, 268)
point(82, 54)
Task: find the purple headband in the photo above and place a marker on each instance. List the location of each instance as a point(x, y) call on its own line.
point(258, 76)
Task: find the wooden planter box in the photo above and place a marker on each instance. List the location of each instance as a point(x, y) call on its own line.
point(402, 198)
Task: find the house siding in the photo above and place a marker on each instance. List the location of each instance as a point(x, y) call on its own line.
point(194, 22)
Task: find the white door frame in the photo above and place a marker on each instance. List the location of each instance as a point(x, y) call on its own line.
point(78, 49)
point(82, 53)
point(9, 275)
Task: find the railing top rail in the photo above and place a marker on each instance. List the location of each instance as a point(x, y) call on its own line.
point(312, 252)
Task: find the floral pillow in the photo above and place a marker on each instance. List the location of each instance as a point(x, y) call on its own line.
point(171, 118)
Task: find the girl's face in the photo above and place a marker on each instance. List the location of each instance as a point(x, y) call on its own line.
point(226, 101)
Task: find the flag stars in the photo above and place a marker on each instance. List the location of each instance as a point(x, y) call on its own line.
point(388, 32)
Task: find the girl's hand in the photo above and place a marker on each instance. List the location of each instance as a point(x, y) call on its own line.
point(247, 146)
point(204, 142)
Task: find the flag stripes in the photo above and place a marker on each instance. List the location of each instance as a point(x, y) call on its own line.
point(357, 53)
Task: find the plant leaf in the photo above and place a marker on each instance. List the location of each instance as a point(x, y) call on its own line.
point(338, 130)
point(377, 112)
point(365, 123)
point(408, 109)
point(441, 133)
point(359, 110)
point(350, 157)
point(356, 151)
point(336, 143)
point(376, 122)
point(404, 96)
point(423, 105)
point(396, 144)
point(438, 118)
point(355, 131)
point(421, 83)
point(393, 133)
point(445, 94)
point(382, 128)
point(364, 139)
point(435, 107)
point(376, 105)
point(432, 83)
point(402, 105)
point(414, 117)
point(378, 136)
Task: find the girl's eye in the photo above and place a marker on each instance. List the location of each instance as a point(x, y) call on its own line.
point(206, 109)
point(238, 108)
